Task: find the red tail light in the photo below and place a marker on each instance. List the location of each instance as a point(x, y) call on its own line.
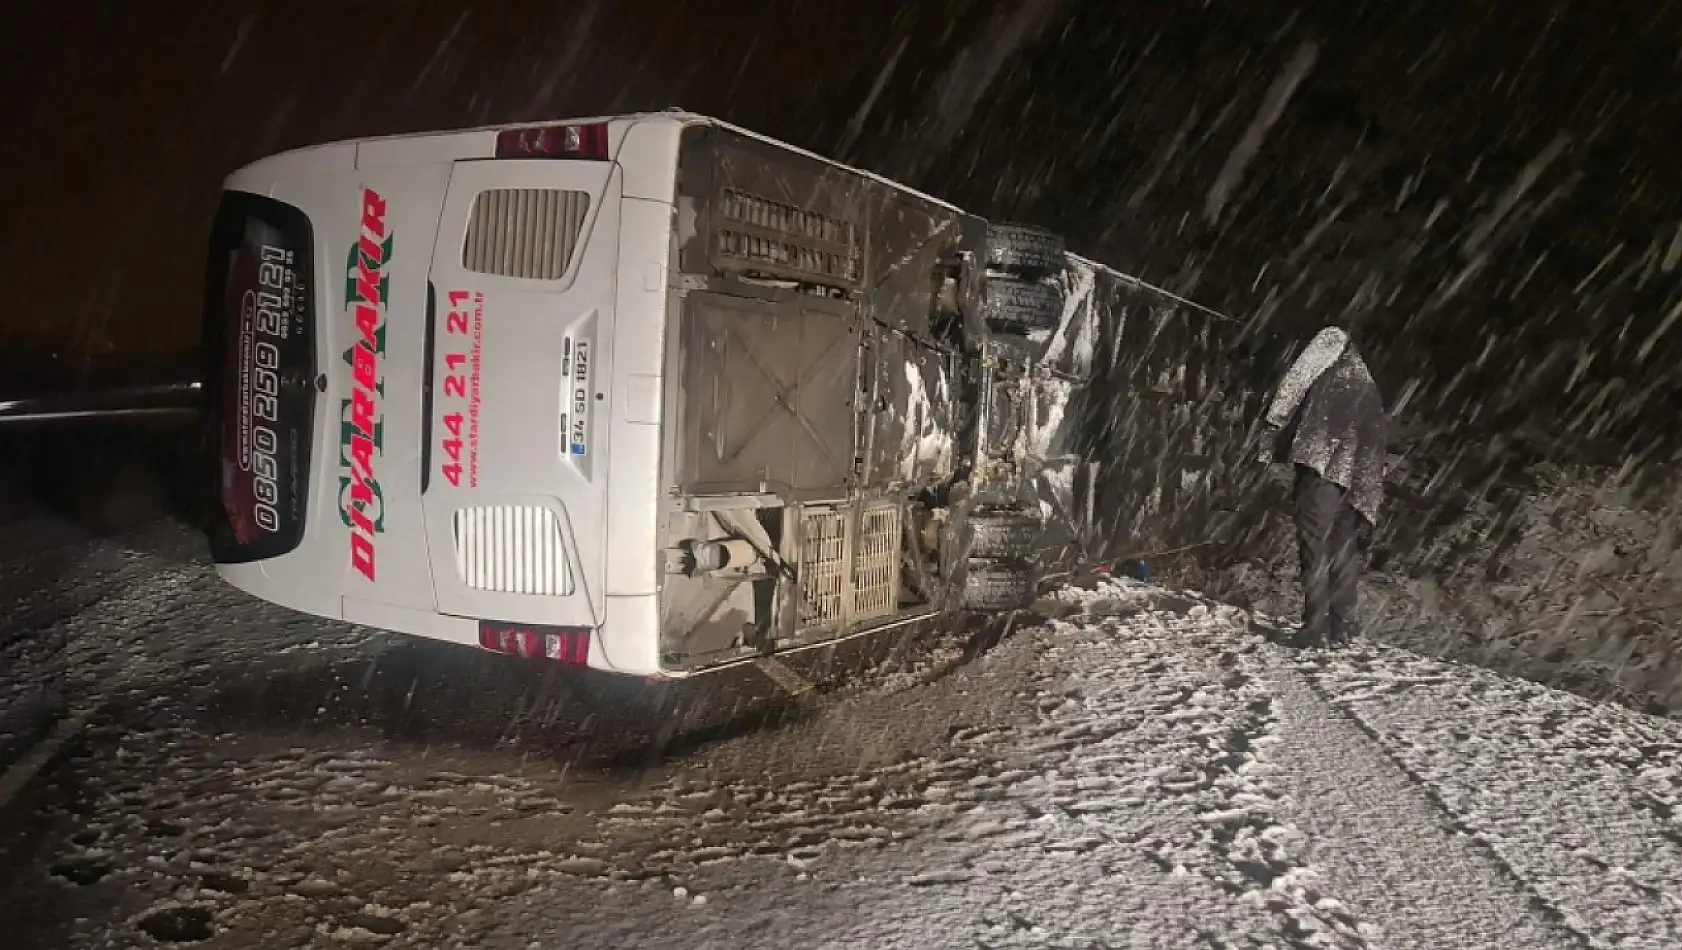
point(570, 645)
point(554, 141)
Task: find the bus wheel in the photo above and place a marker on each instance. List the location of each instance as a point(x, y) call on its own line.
point(1024, 250)
point(999, 585)
point(1003, 533)
point(1018, 306)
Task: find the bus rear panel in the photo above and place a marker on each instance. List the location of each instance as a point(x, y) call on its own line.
point(426, 358)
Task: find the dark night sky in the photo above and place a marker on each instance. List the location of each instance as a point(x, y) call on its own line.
point(1110, 121)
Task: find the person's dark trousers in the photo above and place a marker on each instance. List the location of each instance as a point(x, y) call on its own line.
point(1327, 542)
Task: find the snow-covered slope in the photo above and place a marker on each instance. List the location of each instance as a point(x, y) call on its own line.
point(1567, 574)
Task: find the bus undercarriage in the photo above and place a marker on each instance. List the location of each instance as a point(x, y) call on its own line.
point(871, 408)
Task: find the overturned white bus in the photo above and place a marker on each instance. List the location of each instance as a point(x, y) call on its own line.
point(650, 393)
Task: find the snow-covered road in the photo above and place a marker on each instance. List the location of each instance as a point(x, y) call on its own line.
point(1140, 769)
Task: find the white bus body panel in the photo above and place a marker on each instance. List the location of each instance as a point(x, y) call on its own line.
point(317, 575)
point(517, 364)
point(519, 380)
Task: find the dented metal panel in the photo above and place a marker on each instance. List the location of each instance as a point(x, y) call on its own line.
point(933, 417)
point(1051, 417)
point(882, 387)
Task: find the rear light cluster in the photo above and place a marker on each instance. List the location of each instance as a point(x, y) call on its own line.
point(570, 645)
point(554, 141)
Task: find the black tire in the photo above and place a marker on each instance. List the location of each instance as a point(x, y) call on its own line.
point(1003, 534)
point(1025, 249)
point(999, 585)
point(1018, 305)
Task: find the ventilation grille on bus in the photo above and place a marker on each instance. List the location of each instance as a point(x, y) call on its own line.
point(876, 570)
point(823, 567)
point(774, 239)
point(511, 549)
point(836, 573)
point(524, 232)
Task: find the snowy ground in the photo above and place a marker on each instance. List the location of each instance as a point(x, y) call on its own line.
point(1139, 768)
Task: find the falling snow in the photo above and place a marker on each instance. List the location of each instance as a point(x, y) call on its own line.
point(1493, 196)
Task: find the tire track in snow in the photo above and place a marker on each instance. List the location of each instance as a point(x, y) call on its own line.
point(1139, 772)
point(1588, 822)
point(1134, 807)
point(1142, 800)
point(1385, 844)
point(1445, 890)
point(1250, 844)
point(1173, 735)
point(1136, 756)
point(1170, 759)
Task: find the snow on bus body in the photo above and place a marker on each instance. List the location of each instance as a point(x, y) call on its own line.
point(1070, 346)
point(430, 443)
point(1065, 366)
point(1044, 441)
point(1097, 301)
point(928, 442)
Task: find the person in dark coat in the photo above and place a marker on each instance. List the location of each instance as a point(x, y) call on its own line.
point(1327, 419)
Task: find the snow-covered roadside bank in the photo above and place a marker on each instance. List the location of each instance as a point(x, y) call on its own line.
point(1565, 574)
